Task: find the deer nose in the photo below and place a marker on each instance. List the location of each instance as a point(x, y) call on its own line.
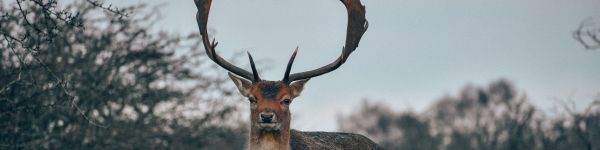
point(267, 117)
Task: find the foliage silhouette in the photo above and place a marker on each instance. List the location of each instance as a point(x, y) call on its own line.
point(90, 76)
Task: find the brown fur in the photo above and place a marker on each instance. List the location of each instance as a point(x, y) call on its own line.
point(270, 139)
point(284, 138)
point(267, 96)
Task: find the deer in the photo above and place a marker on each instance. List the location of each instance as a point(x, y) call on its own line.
point(270, 115)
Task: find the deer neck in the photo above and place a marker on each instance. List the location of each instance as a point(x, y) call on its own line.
point(269, 140)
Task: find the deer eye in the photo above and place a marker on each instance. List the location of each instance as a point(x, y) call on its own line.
point(286, 101)
point(252, 99)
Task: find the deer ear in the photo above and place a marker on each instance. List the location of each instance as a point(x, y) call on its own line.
point(242, 84)
point(297, 87)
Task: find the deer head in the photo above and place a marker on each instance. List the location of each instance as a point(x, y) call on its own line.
point(270, 100)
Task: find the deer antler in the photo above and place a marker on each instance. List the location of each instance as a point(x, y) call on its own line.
point(357, 26)
point(202, 19)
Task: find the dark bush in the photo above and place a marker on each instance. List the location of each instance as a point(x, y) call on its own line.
point(88, 76)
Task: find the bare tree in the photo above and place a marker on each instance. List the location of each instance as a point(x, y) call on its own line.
point(92, 76)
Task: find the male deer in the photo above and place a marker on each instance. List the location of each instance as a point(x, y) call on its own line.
point(270, 100)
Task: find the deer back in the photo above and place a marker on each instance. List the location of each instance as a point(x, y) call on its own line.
point(331, 141)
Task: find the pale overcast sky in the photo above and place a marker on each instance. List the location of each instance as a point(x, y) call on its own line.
point(414, 52)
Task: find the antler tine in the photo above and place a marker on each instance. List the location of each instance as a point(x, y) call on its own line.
point(286, 76)
point(357, 26)
point(254, 72)
point(202, 20)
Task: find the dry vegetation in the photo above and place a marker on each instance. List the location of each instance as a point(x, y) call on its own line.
point(91, 76)
point(94, 77)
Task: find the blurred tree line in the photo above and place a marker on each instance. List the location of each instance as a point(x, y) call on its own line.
point(86, 75)
point(493, 117)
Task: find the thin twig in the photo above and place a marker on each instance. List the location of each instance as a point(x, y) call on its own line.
point(108, 8)
point(60, 82)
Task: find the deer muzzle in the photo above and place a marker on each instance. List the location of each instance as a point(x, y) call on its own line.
point(267, 121)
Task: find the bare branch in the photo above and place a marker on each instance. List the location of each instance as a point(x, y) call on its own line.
point(108, 8)
point(588, 33)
